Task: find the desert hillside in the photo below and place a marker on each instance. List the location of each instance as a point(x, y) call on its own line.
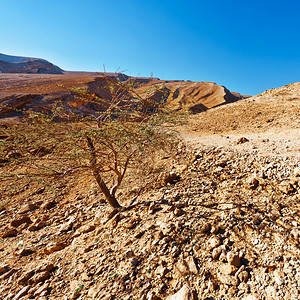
point(17, 59)
point(220, 222)
point(27, 65)
point(271, 121)
point(275, 108)
point(41, 91)
point(37, 85)
point(188, 96)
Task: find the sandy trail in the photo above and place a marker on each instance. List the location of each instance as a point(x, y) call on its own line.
point(270, 121)
point(263, 144)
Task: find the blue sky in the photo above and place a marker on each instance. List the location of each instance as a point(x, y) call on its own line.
point(248, 46)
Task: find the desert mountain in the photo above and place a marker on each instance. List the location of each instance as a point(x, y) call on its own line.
point(18, 64)
point(40, 91)
point(191, 96)
point(17, 59)
point(37, 84)
point(276, 108)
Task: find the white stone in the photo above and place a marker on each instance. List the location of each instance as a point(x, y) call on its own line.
point(297, 171)
point(185, 293)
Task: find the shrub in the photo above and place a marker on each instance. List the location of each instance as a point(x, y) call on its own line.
point(125, 130)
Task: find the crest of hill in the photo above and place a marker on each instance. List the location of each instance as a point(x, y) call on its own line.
point(17, 59)
point(29, 65)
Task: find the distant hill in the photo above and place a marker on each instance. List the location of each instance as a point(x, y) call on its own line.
point(36, 84)
point(274, 110)
point(27, 65)
point(40, 91)
point(17, 59)
point(191, 96)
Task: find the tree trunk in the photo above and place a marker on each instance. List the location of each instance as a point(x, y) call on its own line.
point(104, 189)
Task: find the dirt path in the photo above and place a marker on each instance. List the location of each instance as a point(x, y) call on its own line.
point(262, 144)
point(270, 122)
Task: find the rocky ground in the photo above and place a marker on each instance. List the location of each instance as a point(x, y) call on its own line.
point(223, 225)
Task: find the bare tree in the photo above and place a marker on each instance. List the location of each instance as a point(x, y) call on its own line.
point(118, 133)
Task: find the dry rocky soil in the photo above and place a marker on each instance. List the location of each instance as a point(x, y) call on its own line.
point(225, 226)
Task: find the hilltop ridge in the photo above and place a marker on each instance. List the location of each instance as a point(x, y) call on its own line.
point(29, 65)
point(17, 59)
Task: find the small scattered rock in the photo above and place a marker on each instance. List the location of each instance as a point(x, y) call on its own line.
point(161, 271)
point(242, 140)
point(278, 277)
point(18, 221)
point(185, 293)
point(25, 277)
point(243, 276)
point(38, 191)
point(27, 208)
point(84, 229)
point(253, 183)
point(182, 268)
point(234, 259)
point(228, 279)
point(152, 207)
point(139, 234)
point(170, 178)
point(244, 287)
point(297, 172)
point(41, 289)
point(45, 267)
point(214, 242)
point(37, 226)
point(214, 229)
point(228, 269)
point(39, 277)
point(88, 248)
point(129, 254)
point(222, 256)
point(296, 234)
point(191, 265)
point(216, 252)
point(151, 296)
point(251, 297)
point(4, 269)
point(211, 286)
point(204, 228)
point(178, 212)
point(130, 224)
point(221, 163)
point(271, 292)
point(22, 292)
point(47, 204)
point(53, 247)
point(134, 261)
point(285, 187)
point(9, 232)
point(75, 294)
point(241, 269)
point(65, 227)
point(7, 274)
point(25, 252)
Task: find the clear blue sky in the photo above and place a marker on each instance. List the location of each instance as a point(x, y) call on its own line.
point(248, 46)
